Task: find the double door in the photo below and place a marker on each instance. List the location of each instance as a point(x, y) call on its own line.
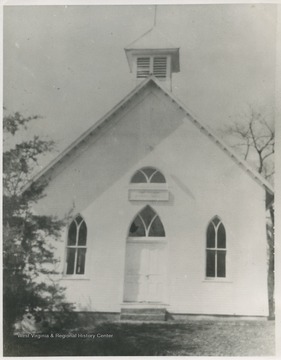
point(145, 271)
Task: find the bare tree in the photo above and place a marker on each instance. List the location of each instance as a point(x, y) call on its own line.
point(253, 136)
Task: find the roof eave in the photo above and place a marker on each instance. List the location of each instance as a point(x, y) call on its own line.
point(44, 172)
point(254, 174)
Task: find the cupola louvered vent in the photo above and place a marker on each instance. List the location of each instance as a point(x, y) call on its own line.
point(143, 67)
point(160, 67)
point(152, 65)
point(153, 54)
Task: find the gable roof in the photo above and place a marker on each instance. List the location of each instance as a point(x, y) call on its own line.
point(150, 81)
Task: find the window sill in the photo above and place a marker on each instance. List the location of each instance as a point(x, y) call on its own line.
point(74, 277)
point(217, 280)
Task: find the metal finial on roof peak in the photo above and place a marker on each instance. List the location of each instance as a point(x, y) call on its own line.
point(155, 15)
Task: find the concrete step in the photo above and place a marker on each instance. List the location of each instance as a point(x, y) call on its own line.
point(143, 314)
point(143, 317)
point(132, 310)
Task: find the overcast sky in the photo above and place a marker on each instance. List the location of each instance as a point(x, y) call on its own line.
point(67, 63)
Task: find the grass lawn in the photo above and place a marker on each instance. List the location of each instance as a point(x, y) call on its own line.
point(198, 338)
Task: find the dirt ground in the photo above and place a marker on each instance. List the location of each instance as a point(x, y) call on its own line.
point(193, 338)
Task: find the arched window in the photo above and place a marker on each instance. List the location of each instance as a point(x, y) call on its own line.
point(148, 175)
point(76, 247)
point(147, 224)
point(216, 249)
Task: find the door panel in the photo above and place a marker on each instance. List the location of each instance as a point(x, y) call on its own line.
point(144, 272)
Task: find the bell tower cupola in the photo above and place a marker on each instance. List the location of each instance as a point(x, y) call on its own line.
point(153, 54)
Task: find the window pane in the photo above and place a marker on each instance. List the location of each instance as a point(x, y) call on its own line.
point(216, 220)
point(148, 171)
point(211, 235)
point(158, 178)
point(81, 257)
point(82, 239)
point(221, 263)
point(72, 234)
point(147, 215)
point(157, 228)
point(210, 268)
point(138, 178)
point(70, 261)
point(221, 237)
point(137, 228)
point(79, 219)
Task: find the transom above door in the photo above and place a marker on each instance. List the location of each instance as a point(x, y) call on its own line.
point(147, 224)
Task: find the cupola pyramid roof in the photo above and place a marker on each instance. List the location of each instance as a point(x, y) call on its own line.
point(153, 41)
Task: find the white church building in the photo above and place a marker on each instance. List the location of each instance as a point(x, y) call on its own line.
point(165, 215)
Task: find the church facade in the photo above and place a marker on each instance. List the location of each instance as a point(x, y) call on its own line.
point(164, 214)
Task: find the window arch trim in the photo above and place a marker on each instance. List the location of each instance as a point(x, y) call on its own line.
point(147, 228)
point(148, 173)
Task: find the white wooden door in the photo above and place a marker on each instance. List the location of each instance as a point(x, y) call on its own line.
point(145, 272)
